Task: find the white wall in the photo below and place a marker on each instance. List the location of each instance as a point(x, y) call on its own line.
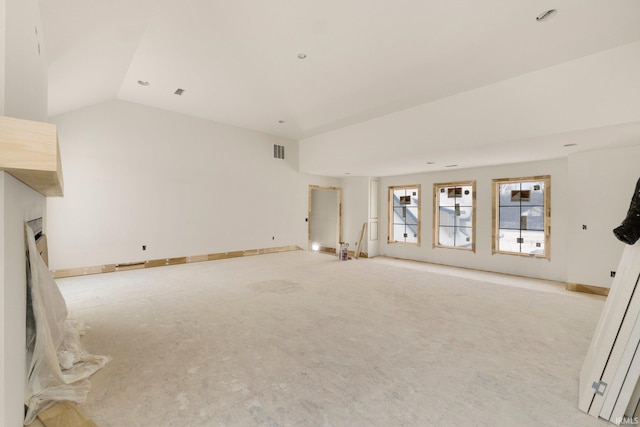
point(601, 185)
point(23, 94)
point(182, 186)
point(553, 269)
point(355, 210)
point(25, 68)
point(3, 49)
point(18, 203)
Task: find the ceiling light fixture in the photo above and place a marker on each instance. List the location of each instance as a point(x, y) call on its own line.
point(143, 83)
point(301, 56)
point(431, 163)
point(570, 145)
point(545, 16)
point(281, 122)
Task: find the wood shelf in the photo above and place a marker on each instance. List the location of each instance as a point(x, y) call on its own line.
point(29, 151)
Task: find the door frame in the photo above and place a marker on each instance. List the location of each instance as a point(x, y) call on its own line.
point(310, 219)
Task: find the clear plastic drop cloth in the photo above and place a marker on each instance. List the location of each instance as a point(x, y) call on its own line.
point(58, 367)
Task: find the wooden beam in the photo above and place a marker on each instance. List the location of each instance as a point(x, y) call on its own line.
point(29, 151)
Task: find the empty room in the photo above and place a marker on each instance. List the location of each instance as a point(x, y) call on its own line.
point(303, 213)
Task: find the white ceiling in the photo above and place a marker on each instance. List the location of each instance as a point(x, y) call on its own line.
point(237, 60)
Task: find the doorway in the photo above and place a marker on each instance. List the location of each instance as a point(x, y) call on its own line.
point(325, 218)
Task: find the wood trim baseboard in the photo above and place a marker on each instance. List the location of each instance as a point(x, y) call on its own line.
point(110, 268)
point(589, 289)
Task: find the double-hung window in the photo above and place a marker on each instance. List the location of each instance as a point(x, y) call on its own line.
point(521, 216)
point(404, 214)
point(454, 208)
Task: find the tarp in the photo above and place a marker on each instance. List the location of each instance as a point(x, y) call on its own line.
point(58, 367)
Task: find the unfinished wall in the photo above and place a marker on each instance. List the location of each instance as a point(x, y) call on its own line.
point(601, 184)
point(24, 64)
point(360, 205)
point(355, 209)
point(23, 94)
point(179, 185)
point(554, 269)
point(3, 50)
point(18, 204)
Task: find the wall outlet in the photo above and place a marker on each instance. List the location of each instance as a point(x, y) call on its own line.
point(613, 273)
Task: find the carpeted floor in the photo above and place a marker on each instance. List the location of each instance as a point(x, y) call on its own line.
point(302, 339)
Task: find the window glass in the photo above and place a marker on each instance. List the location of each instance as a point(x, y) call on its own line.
point(404, 215)
point(521, 226)
point(454, 215)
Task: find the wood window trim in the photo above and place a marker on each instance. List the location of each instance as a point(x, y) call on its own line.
point(390, 191)
point(547, 215)
point(436, 215)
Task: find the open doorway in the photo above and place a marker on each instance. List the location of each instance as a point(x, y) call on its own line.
point(325, 218)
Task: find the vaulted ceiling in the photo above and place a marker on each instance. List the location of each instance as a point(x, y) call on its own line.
point(239, 61)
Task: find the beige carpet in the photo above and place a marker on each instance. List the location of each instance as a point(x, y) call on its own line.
point(302, 339)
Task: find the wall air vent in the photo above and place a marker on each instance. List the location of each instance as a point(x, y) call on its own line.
point(278, 151)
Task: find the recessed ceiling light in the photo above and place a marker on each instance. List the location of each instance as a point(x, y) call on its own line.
point(179, 92)
point(281, 121)
point(545, 16)
point(431, 163)
point(143, 83)
point(301, 56)
point(451, 166)
point(347, 173)
point(570, 145)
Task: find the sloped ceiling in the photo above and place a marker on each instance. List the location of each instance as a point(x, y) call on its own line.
point(238, 63)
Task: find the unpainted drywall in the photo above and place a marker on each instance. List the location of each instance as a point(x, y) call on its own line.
point(19, 204)
point(601, 184)
point(3, 50)
point(23, 94)
point(182, 186)
point(24, 63)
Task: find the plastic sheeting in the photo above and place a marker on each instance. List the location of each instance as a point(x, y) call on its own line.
point(629, 231)
point(58, 367)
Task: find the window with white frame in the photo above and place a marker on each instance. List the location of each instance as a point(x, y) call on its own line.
point(404, 214)
point(454, 207)
point(521, 216)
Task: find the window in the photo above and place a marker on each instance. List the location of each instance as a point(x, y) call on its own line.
point(404, 214)
point(454, 208)
point(521, 216)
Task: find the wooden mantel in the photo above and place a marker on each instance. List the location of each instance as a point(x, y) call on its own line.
point(29, 151)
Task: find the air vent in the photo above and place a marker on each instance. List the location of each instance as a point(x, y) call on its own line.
point(179, 92)
point(278, 151)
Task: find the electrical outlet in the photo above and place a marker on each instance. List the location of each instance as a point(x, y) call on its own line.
point(613, 273)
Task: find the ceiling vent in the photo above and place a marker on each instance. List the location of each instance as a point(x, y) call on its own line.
point(179, 92)
point(278, 151)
